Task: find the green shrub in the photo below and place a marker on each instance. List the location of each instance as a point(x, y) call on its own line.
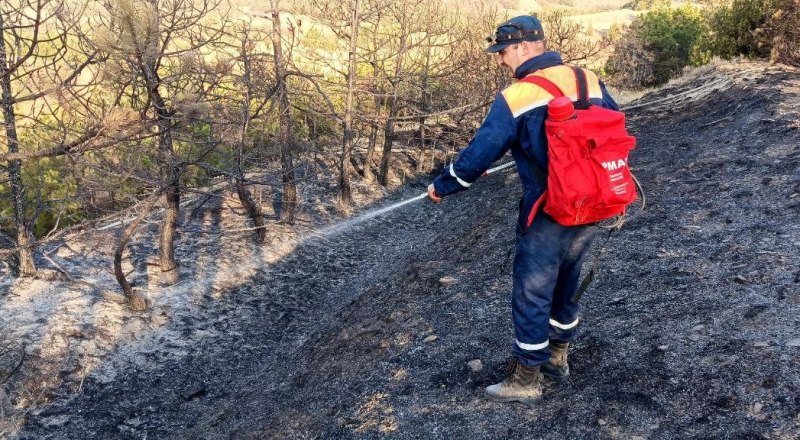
point(737, 29)
point(50, 195)
point(658, 45)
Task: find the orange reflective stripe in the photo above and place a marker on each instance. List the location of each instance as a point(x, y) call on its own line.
point(544, 83)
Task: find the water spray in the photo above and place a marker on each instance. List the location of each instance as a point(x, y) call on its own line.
point(333, 229)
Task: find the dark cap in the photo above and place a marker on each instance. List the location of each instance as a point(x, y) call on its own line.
point(516, 30)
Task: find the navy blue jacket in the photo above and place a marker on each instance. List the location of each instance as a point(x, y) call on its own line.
point(516, 122)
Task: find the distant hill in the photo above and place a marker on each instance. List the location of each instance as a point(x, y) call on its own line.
point(516, 7)
point(598, 14)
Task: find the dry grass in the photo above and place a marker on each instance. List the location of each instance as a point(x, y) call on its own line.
point(626, 96)
point(689, 75)
point(376, 413)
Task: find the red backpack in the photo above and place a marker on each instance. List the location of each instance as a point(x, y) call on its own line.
point(588, 178)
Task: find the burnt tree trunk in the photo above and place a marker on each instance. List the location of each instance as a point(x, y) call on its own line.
point(253, 208)
point(425, 108)
point(372, 143)
point(24, 237)
point(376, 102)
point(285, 122)
point(345, 192)
point(169, 225)
point(388, 139)
point(388, 130)
point(170, 170)
point(136, 301)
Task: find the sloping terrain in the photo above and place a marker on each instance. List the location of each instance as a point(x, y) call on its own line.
point(690, 330)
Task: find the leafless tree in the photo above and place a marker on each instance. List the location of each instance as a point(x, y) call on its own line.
point(631, 64)
point(431, 66)
point(24, 237)
point(289, 204)
point(344, 20)
point(347, 129)
point(248, 39)
point(401, 14)
point(375, 39)
point(41, 61)
point(155, 43)
point(434, 67)
point(572, 39)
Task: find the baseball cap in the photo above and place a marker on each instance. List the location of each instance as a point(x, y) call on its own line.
point(516, 30)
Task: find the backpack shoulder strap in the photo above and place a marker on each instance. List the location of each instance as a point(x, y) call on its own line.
point(553, 89)
point(583, 88)
point(549, 86)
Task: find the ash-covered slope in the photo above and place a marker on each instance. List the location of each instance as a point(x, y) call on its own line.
point(691, 329)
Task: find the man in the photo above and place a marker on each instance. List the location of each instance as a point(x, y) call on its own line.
point(549, 256)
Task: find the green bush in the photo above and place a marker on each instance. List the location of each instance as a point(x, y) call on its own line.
point(737, 28)
point(658, 45)
point(50, 195)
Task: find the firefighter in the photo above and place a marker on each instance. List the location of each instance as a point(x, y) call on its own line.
point(548, 256)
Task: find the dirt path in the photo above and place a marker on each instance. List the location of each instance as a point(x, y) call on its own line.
point(690, 330)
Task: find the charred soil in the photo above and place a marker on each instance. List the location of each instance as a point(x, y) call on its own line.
point(690, 330)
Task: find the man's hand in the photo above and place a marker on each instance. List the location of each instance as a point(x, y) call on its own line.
point(432, 194)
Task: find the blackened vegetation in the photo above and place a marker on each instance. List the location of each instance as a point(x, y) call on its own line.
point(690, 330)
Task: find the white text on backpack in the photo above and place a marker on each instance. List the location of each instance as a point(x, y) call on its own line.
point(614, 164)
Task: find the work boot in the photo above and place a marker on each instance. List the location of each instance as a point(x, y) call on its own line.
point(557, 367)
point(523, 384)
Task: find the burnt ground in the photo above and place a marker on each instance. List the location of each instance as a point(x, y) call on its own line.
point(690, 330)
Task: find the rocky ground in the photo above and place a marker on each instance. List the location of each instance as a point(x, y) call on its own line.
point(391, 328)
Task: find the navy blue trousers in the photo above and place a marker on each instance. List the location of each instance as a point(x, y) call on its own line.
point(547, 268)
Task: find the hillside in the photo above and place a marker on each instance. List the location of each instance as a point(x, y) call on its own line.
point(690, 329)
